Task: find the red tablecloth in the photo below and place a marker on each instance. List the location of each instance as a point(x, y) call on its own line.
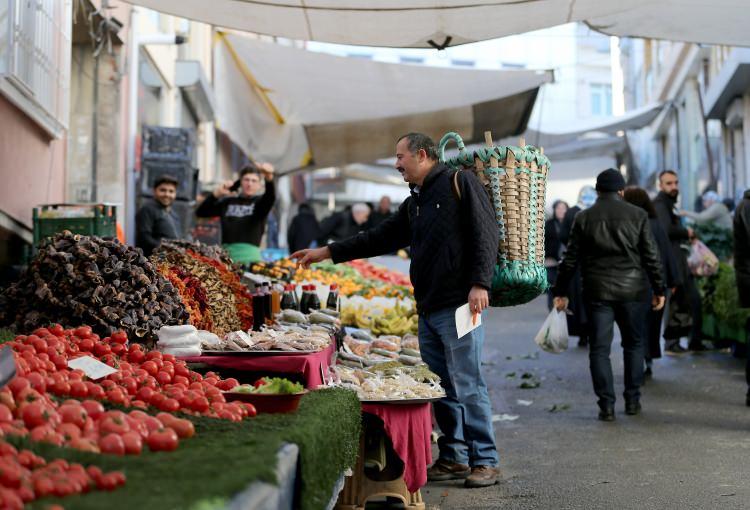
point(307, 364)
point(409, 427)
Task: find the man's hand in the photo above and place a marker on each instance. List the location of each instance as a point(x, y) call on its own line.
point(223, 190)
point(560, 303)
point(267, 170)
point(479, 299)
point(306, 257)
point(657, 302)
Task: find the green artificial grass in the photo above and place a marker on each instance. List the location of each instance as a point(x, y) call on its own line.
point(224, 458)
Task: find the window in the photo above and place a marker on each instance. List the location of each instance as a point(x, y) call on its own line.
point(462, 63)
point(601, 99)
point(411, 60)
point(35, 59)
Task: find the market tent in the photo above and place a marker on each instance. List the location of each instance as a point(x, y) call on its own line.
point(427, 23)
point(293, 107)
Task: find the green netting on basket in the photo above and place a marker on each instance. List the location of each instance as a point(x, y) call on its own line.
point(515, 179)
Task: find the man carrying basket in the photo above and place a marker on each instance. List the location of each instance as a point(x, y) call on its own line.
point(449, 223)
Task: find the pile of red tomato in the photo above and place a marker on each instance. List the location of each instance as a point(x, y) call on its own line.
point(373, 272)
point(25, 477)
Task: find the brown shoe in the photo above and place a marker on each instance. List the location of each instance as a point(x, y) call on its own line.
point(443, 470)
point(482, 476)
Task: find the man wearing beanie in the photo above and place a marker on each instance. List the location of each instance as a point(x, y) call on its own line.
point(612, 243)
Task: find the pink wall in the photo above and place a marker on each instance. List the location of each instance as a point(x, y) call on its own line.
point(32, 166)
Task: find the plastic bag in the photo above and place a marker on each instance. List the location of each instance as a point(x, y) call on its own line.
point(553, 335)
point(702, 261)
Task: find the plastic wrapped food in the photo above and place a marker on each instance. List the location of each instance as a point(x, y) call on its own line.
point(358, 347)
point(410, 342)
point(385, 345)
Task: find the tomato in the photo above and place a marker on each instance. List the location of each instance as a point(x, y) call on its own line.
point(136, 356)
point(107, 483)
point(61, 388)
point(112, 443)
point(19, 384)
point(200, 404)
point(164, 440)
point(108, 384)
point(10, 473)
point(73, 413)
point(163, 378)
point(133, 443)
point(150, 367)
point(170, 405)
point(145, 393)
point(37, 382)
point(130, 385)
point(10, 500)
point(152, 355)
point(69, 431)
point(6, 415)
point(78, 389)
point(113, 424)
point(96, 392)
point(110, 359)
point(181, 380)
point(229, 415)
point(84, 444)
point(181, 369)
point(119, 337)
point(77, 375)
point(86, 345)
point(83, 332)
point(35, 414)
point(43, 487)
point(27, 494)
point(119, 350)
point(157, 399)
point(46, 434)
point(140, 404)
point(184, 428)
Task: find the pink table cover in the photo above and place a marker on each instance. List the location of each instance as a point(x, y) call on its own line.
point(409, 427)
point(307, 364)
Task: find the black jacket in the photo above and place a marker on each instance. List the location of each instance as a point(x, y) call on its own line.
point(243, 219)
point(677, 234)
point(453, 241)
point(303, 230)
point(742, 249)
point(613, 243)
point(672, 275)
point(152, 224)
point(339, 226)
point(567, 224)
point(552, 244)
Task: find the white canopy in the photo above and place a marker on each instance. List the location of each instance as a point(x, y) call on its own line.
point(429, 23)
point(284, 104)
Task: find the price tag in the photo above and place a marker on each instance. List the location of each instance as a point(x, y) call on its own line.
point(7, 366)
point(93, 368)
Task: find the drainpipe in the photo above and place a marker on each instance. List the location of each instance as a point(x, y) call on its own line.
point(135, 43)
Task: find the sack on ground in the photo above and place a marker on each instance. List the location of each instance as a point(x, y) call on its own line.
point(702, 261)
point(553, 335)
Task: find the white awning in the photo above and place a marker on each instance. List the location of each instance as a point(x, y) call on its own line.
point(288, 105)
point(428, 23)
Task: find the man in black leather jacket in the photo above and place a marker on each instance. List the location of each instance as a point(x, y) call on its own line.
point(613, 244)
point(449, 223)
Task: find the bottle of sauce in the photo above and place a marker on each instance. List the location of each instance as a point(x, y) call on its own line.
point(258, 310)
point(305, 299)
point(267, 311)
point(332, 303)
point(314, 300)
point(289, 299)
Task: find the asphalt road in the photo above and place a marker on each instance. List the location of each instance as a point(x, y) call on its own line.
point(690, 449)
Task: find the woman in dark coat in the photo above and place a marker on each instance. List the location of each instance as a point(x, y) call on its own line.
point(639, 198)
point(303, 230)
point(553, 246)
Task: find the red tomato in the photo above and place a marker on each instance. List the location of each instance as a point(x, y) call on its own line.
point(113, 425)
point(130, 385)
point(200, 404)
point(78, 389)
point(46, 434)
point(152, 355)
point(133, 443)
point(112, 444)
point(10, 473)
point(96, 392)
point(119, 337)
point(119, 350)
point(140, 404)
point(181, 369)
point(157, 399)
point(83, 332)
point(170, 405)
point(145, 393)
point(84, 445)
point(69, 431)
point(6, 415)
point(184, 428)
point(163, 378)
point(164, 440)
point(60, 361)
point(136, 357)
point(152, 424)
point(73, 413)
point(37, 382)
point(61, 388)
point(86, 345)
point(181, 380)
point(57, 330)
point(35, 414)
point(150, 367)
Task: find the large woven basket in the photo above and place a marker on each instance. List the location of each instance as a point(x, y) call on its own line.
point(515, 179)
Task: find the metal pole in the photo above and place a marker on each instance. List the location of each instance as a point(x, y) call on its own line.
point(133, 54)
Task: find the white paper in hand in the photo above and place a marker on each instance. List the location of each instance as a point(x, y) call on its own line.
point(465, 321)
point(93, 368)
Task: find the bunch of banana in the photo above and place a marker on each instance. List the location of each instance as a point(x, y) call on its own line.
point(383, 325)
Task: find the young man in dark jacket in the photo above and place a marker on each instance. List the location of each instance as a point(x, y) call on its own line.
point(454, 244)
point(156, 220)
point(243, 212)
point(613, 243)
point(742, 266)
point(685, 310)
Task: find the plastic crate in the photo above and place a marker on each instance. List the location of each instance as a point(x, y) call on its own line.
point(88, 219)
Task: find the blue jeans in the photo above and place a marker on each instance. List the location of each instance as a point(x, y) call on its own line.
point(631, 318)
point(465, 414)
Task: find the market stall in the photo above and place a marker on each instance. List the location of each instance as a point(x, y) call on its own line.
point(105, 347)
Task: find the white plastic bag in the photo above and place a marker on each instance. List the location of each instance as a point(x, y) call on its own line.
point(702, 261)
point(553, 335)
